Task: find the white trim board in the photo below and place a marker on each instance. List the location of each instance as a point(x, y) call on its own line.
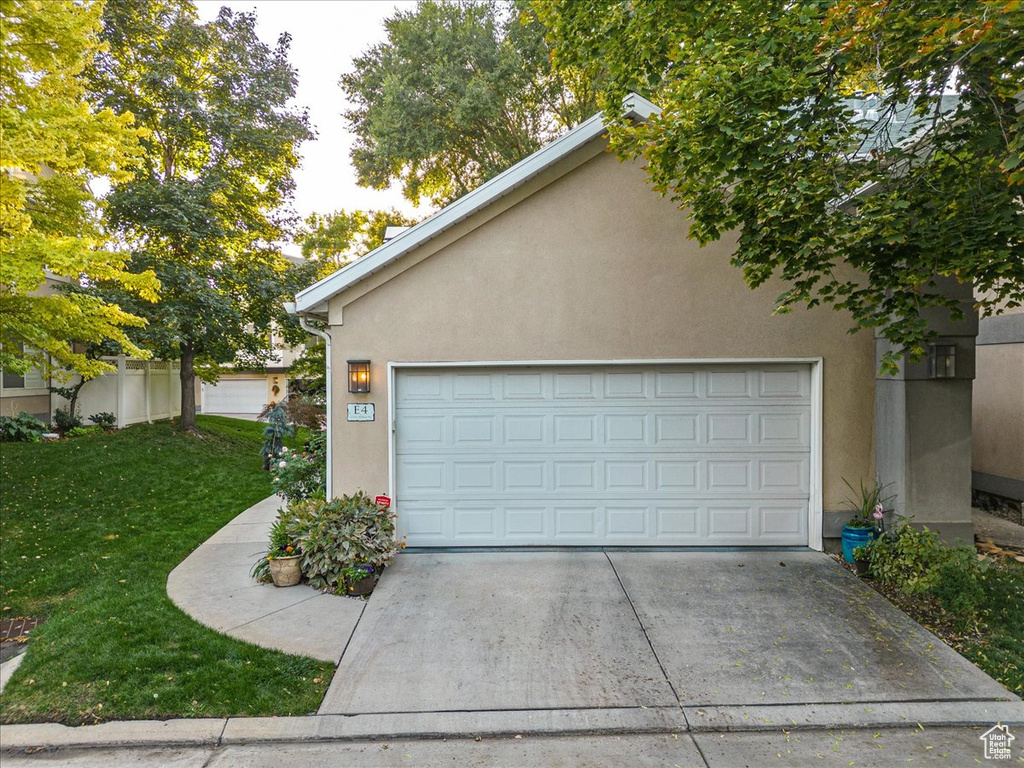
point(816, 364)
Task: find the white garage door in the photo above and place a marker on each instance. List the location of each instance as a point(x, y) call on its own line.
point(617, 456)
point(243, 396)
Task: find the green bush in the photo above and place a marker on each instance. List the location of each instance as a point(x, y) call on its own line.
point(302, 475)
point(339, 534)
point(104, 420)
point(918, 563)
point(908, 558)
point(23, 428)
point(81, 431)
point(959, 586)
point(64, 421)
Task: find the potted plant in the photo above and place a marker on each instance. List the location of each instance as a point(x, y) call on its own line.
point(868, 521)
point(359, 579)
point(281, 560)
point(862, 560)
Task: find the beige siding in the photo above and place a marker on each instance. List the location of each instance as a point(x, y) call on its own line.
point(998, 427)
point(593, 266)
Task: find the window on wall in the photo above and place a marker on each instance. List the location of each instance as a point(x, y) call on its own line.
point(33, 379)
point(13, 381)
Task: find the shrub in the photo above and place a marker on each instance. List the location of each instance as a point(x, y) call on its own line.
point(104, 420)
point(23, 428)
point(274, 433)
point(339, 534)
point(917, 563)
point(81, 431)
point(302, 474)
point(306, 411)
point(959, 584)
point(908, 558)
point(64, 421)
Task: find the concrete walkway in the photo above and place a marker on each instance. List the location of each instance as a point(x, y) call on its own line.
point(213, 586)
point(1005, 533)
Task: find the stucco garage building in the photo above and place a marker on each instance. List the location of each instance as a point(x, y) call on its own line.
point(553, 361)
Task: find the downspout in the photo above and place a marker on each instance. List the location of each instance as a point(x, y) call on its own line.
point(326, 336)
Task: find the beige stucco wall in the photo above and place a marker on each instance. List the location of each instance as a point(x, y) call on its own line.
point(592, 266)
point(998, 425)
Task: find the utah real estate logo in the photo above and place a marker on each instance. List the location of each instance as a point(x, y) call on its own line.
point(997, 742)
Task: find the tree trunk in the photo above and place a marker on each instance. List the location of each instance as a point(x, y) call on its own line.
point(188, 389)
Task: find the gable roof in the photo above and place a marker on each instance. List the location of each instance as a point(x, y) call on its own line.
point(313, 300)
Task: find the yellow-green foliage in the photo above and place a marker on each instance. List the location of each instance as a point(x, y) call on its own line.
point(51, 144)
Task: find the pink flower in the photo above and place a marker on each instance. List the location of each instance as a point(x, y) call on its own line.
point(879, 512)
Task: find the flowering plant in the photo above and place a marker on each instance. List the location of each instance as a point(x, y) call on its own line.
point(302, 474)
point(279, 545)
point(358, 572)
point(870, 507)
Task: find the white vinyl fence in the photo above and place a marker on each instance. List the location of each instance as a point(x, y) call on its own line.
point(139, 391)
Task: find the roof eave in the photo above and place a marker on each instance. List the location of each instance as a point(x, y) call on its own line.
point(313, 300)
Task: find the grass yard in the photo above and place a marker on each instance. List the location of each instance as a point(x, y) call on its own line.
point(999, 650)
point(997, 645)
point(89, 530)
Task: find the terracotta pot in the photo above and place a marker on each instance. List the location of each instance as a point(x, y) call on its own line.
point(362, 587)
point(285, 571)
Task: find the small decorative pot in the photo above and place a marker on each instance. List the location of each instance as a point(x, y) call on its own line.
point(364, 586)
point(285, 571)
point(855, 537)
point(863, 567)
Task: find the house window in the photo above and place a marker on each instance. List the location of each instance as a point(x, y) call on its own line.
point(13, 381)
point(33, 379)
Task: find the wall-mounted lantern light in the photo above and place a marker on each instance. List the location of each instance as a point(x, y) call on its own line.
point(359, 376)
point(942, 361)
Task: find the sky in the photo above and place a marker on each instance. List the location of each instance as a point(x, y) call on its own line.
point(326, 36)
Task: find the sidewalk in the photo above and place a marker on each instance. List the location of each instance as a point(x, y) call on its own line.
point(213, 586)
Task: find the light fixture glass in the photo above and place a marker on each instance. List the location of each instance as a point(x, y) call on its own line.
point(942, 361)
point(359, 376)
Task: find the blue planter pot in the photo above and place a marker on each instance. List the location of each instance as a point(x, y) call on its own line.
point(855, 537)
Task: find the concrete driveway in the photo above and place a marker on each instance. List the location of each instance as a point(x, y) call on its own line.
point(635, 640)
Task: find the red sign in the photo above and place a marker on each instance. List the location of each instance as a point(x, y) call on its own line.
point(382, 501)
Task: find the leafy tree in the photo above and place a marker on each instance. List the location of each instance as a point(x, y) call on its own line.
point(51, 145)
point(335, 239)
point(758, 133)
point(205, 206)
point(458, 93)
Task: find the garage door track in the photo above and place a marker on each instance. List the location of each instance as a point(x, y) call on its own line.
point(651, 640)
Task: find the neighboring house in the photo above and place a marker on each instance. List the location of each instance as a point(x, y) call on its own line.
point(246, 393)
point(25, 394)
point(998, 430)
point(29, 393)
point(552, 361)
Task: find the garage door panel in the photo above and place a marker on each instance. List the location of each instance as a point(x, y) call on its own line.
point(672, 455)
point(235, 396)
point(504, 478)
point(579, 522)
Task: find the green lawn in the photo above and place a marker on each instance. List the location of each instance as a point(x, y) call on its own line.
point(1000, 649)
point(89, 530)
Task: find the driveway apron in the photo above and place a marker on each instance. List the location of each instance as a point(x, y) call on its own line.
point(643, 631)
point(497, 631)
point(754, 628)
